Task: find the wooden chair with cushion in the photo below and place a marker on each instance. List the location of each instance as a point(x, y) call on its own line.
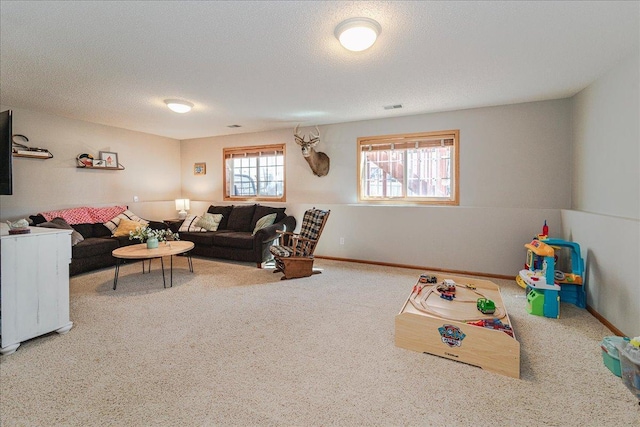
point(294, 253)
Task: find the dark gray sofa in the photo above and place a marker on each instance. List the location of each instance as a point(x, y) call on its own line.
point(234, 238)
point(94, 251)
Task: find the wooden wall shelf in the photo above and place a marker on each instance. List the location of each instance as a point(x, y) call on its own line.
point(28, 156)
point(119, 168)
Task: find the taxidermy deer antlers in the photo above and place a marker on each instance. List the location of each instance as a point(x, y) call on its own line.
point(318, 161)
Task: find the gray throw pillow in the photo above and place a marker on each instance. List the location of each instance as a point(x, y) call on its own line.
point(63, 225)
point(209, 221)
point(265, 221)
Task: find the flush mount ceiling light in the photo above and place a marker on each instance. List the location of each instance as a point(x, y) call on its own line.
point(357, 34)
point(178, 106)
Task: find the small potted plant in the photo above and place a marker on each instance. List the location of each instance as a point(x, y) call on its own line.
point(151, 236)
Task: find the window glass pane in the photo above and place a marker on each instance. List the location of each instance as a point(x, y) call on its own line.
point(255, 173)
point(384, 173)
point(271, 175)
point(428, 172)
point(418, 168)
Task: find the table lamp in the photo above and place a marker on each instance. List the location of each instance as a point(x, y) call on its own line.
point(182, 205)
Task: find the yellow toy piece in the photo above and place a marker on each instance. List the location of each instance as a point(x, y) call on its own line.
point(540, 248)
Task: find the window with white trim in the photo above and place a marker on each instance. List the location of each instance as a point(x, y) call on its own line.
point(255, 173)
point(420, 168)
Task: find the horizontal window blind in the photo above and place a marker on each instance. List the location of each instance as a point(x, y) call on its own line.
point(248, 152)
point(376, 144)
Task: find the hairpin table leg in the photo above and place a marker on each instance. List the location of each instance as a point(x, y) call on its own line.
point(164, 283)
point(115, 277)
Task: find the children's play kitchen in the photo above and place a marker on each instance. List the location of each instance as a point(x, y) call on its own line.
point(462, 319)
point(545, 283)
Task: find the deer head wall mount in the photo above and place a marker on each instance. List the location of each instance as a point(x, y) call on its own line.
point(318, 161)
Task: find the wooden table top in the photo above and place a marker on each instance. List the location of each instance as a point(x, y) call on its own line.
point(140, 251)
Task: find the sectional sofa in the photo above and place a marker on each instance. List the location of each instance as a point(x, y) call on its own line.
point(92, 241)
point(238, 235)
point(241, 234)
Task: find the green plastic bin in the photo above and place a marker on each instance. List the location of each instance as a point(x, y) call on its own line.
point(610, 354)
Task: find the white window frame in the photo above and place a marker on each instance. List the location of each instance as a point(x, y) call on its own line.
point(401, 145)
point(259, 151)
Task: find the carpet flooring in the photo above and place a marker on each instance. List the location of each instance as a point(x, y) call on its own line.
point(233, 345)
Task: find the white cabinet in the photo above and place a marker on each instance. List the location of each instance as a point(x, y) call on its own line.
point(34, 285)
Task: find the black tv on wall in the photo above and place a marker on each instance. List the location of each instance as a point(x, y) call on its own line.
point(6, 153)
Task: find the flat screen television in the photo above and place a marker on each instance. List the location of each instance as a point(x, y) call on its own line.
point(6, 153)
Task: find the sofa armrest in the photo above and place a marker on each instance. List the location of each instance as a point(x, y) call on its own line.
point(270, 233)
point(157, 225)
point(174, 226)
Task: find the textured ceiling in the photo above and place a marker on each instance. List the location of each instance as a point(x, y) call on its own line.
point(270, 65)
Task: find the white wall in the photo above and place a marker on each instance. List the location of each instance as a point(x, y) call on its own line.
point(152, 168)
point(606, 148)
point(605, 215)
point(515, 173)
point(611, 253)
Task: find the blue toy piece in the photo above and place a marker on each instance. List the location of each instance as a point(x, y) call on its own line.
point(572, 284)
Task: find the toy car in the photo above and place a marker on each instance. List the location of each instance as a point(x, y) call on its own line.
point(424, 278)
point(486, 306)
point(447, 295)
point(495, 324)
point(447, 286)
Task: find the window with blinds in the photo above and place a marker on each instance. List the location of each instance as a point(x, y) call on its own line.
point(255, 173)
point(421, 168)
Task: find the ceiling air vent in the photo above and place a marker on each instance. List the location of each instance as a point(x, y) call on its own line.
point(392, 107)
point(234, 126)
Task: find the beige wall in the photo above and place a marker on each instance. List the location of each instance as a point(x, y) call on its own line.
point(605, 215)
point(152, 168)
point(606, 149)
point(502, 149)
point(515, 173)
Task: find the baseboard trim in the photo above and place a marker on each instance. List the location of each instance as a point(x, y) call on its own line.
point(604, 321)
point(419, 267)
point(590, 309)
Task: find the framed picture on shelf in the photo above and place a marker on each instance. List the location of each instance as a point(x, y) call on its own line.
point(200, 169)
point(110, 159)
point(98, 163)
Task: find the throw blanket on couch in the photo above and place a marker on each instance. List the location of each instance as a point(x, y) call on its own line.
point(85, 215)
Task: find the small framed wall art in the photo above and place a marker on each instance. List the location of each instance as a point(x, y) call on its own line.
point(200, 169)
point(110, 159)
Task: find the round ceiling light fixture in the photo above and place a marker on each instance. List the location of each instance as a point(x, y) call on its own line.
point(357, 34)
point(178, 105)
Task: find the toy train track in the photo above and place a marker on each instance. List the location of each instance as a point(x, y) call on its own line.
point(422, 291)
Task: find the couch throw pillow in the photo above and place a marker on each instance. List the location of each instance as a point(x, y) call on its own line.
point(208, 221)
point(262, 210)
point(113, 223)
point(125, 226)
point(189, 225)
point(265, 221)
point(63, 225)
point(225, 211)
point(240, 218)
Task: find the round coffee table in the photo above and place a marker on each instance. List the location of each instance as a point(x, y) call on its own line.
point(141, 252)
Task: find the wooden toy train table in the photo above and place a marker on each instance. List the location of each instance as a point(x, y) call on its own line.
point(431, 323)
